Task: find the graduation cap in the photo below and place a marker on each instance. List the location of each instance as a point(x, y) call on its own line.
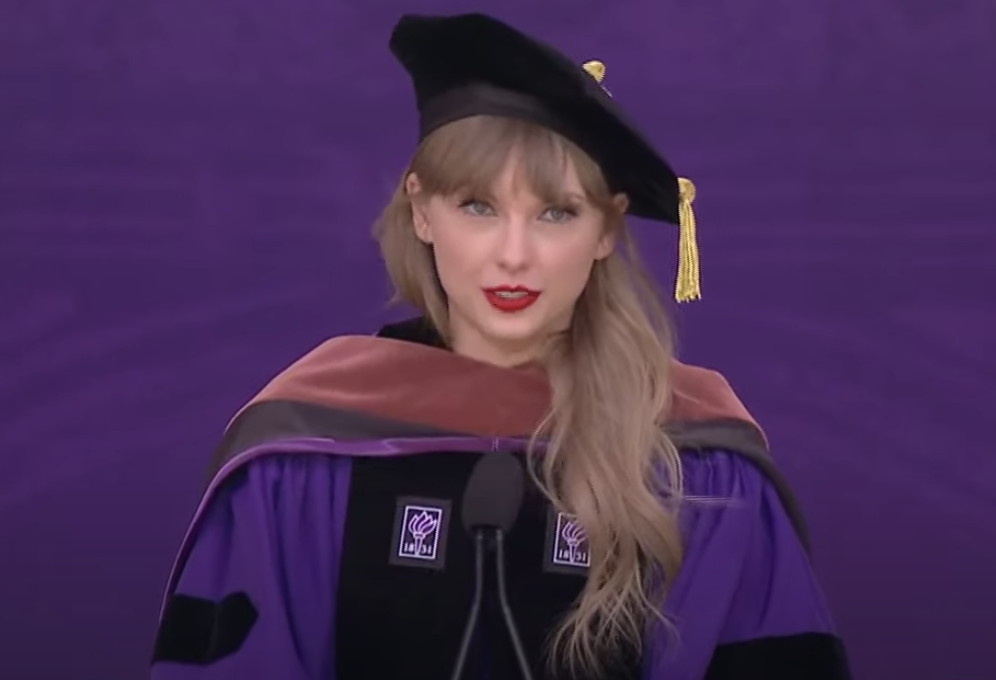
point(472, 64)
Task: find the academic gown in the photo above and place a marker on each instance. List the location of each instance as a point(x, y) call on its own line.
point(328, 543)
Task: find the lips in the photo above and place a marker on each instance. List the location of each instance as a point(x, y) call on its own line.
point(511, 299)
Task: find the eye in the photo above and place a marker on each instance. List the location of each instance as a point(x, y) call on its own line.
point(559, 215)
point(476, 208)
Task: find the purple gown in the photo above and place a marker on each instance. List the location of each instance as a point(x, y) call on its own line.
point(324, 546)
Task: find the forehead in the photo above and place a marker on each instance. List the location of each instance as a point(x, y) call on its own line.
point(524, 174)
point(549, 177)
point(488, 155)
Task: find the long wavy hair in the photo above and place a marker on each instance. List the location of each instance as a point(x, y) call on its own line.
point(608, 461)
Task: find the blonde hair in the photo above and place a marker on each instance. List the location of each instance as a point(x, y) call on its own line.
point(608, 461)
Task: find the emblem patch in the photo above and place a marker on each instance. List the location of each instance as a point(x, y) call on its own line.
point(566, 545)
point(419, 536)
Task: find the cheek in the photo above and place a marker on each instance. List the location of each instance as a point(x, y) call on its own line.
point(572, 276)
point(456, 258)
point(568, 270)
point(578, 258)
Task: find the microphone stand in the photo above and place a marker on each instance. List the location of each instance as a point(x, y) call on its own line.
point(506, 609)
point(475, 605)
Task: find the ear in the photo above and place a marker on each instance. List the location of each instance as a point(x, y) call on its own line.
point(621, 203)
point(420, 219)
point(607, 243)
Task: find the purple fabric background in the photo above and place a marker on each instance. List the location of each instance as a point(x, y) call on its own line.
point(185, 194)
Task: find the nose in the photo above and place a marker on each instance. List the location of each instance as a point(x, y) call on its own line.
point(514, 246)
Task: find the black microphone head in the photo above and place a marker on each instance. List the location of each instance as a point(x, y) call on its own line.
point(494, 493)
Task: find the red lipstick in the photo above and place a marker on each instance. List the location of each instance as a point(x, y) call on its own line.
point(510, 299)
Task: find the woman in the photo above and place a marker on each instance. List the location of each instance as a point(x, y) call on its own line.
point(655, 541)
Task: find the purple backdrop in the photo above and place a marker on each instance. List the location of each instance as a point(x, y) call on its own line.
point(185, 194)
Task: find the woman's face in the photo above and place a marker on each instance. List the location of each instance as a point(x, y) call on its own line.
point(512, 265)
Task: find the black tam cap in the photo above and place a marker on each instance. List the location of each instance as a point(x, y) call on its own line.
point(472, 64)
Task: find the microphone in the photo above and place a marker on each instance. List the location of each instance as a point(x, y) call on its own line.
point(491, 504)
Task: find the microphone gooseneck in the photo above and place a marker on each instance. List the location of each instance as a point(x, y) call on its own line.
point(475, 606)
point(491, 504)
point(506, 608)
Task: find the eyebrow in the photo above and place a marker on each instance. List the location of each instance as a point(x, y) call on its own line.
point(571, 197)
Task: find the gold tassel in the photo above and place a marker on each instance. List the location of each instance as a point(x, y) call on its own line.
point(688, 286)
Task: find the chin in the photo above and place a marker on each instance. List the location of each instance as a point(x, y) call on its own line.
point(517, 328)
point(518, 334)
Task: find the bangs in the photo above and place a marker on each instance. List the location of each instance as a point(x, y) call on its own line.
point(468, 156)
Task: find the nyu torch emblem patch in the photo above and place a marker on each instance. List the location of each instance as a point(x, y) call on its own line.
point(420, 529)
point(566, 545)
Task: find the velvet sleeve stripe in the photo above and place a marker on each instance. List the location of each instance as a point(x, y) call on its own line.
point(805, 656)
